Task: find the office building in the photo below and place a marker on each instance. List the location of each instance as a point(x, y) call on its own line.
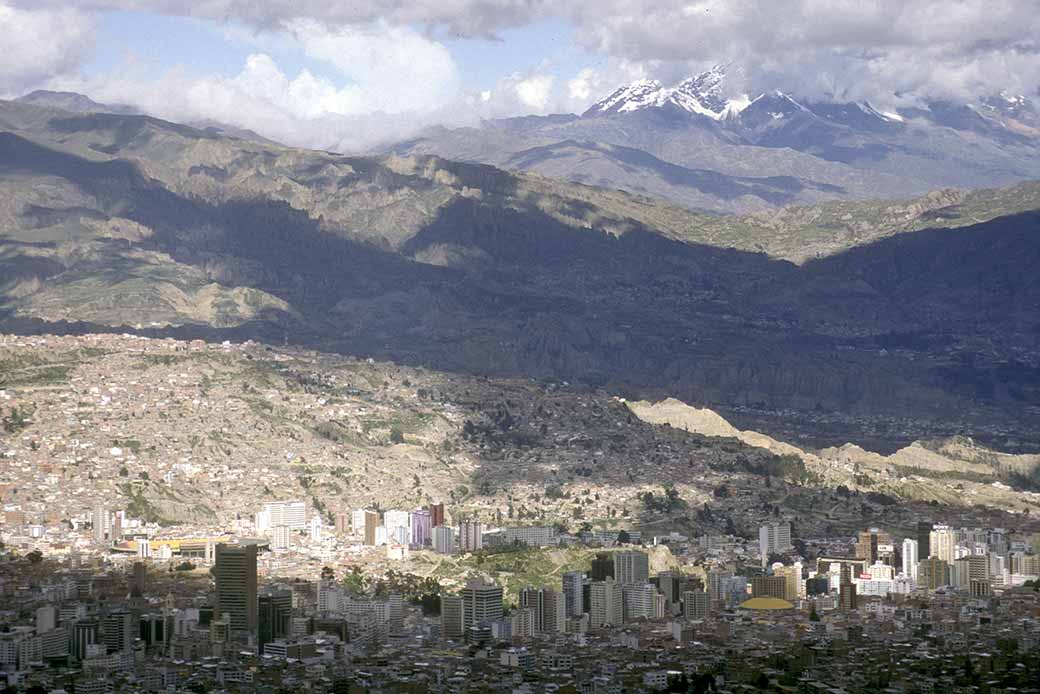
point(638, 601)
point(769, 586)
point(274, 615)
point(481, 603)
point(573, 588)
point(943, 543)
point(602, 567)
point(234, 573)
point(451, 616)
point(85, 634)
point(281, 538)
point(631, 567)
point(794, 587)
point(774, 538)
point(289, 513)
point(933, 573)
point(118, 631)
point(924, 534)
point(606, 604)
point(370, 525)
point(868, 544)
point(696, 604)
point(910, 558)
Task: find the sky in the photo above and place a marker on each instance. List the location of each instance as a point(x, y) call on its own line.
point(350, 75)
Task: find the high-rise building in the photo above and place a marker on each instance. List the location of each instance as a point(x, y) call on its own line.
point(769, 586)
point(101, 520)
point(371, 523)
point(444, 539)
point(421, 524)
point(554, 611)
point(794, 587)
point(910, 558)
point(481, 603)
point(933, 573)
point(85, 633)
point(631, 567)
point(139, 579)
point(602, 567)
point(573, 586)
point(868, 542)
point(393, 520)
point(774, 538)
point(290, 513)
point(451, 616)
point(638, 601)
point(717, 583)
point(281, 538)
point(924, 535)
point(118, 630)
point(696, 604)
point(471, 536)
point(234, 573)
point(274, 615)
point(943, 543)
point(436, 514)
point(607, 604)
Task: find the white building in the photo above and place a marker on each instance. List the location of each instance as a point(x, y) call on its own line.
point(910, 558)
point(281, 539)
point(292, 514)
point(774, 538)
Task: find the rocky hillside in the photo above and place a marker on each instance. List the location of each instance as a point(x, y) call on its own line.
point(903, 329)
point(187, 432)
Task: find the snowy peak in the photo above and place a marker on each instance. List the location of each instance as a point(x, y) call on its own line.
point(639, 94)
point(701, 95)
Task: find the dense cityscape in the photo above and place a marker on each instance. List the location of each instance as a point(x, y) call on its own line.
point(285, 602)
point(519, 346)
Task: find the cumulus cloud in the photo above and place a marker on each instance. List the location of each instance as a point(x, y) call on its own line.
point(390, 73)
point(386, 82)
point(40, 45)
point(843, 49)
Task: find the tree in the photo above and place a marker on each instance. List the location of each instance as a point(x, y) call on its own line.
point(35, 556)
point(396, 435)
point(327, 573)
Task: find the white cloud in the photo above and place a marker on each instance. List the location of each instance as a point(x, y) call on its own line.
point(39, 45)
point(535, 91)
point(389, 81)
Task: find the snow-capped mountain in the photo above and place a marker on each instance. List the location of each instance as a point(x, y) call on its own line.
point(701, 95)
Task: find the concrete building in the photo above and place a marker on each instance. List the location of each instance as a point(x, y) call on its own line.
point(774, 538)
point(481, 603)
point(631, 567)
point(235, 576)
point(607, 604)
point(444, 539)
point(910, 558)
point(471, 536)
point(696, 604)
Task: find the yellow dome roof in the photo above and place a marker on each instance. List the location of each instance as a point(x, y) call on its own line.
point(766, 604)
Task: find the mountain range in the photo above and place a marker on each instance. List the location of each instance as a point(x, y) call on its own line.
point(877, 322)
point(703, 146)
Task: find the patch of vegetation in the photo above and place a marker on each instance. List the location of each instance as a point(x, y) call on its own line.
point(139, 506)
point(668, 502)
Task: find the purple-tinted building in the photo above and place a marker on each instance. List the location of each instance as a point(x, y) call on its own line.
point(421, 523)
